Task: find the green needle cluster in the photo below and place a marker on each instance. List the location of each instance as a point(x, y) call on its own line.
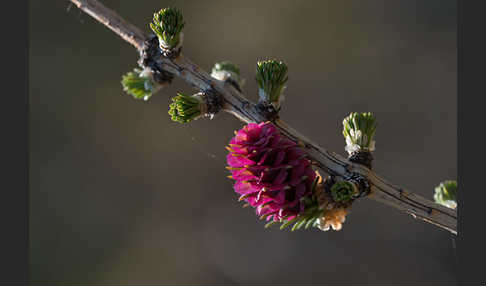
point(224, 70)
point(185, 108)
point(343, 191)
point(446, 194)
point(138, 85)
point(226, 66)
point(307, 219)
point(271, 76)
point(359, 129)
point(167, 25)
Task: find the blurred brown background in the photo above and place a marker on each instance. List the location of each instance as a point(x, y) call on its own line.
point(120, 195)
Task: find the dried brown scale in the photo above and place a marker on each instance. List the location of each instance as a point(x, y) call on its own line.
point(172, 54)
point(362, 184)
point(364, 158)
point(267, 111)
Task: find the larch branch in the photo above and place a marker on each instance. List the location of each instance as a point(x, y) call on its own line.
point(235, 103)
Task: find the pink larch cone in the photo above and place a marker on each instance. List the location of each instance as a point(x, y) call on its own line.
point(272, 172)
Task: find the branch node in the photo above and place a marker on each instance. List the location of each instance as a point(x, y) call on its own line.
point(268, 111)
point(148, 58)
point(229, 73)
point(362, 157)
point(213, 102)
point(361, 183)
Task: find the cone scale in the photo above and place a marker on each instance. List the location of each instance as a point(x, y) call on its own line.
point(272, 172)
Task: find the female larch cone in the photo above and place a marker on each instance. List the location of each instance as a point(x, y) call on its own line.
point(272, 172)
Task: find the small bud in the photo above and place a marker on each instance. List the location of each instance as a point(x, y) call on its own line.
point(446, 194)
point(359, 129)
point(167, 25)
point(271, 77)
point(226, 70)
point(185, 108)
point(140, 83)
point(343, 191)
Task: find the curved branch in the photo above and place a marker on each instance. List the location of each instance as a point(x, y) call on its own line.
point(235, 103)
point(112, 20)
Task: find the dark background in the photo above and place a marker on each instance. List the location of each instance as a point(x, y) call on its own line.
point(121, 195)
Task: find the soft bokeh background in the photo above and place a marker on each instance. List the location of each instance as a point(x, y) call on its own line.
point(120, 195)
